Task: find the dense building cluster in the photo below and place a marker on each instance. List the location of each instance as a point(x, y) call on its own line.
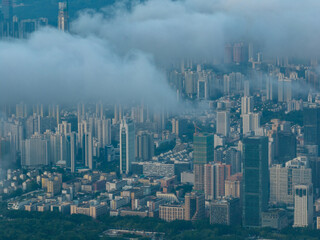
point(243, 149)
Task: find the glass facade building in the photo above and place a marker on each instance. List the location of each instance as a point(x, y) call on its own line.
point(255, 180)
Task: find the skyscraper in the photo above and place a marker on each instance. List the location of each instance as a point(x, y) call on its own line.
point(311, 122)
point(127, 142)
point(214, 180)
point(246, 105)
point(35, 152)
point(255, 180)
point(72, 148)
point(203, 153)
point(88, 150)
point(303, 206)
point(250, 122)
point(63, 17)
point(223, 123)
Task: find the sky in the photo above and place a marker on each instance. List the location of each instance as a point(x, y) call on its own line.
point(117, 55)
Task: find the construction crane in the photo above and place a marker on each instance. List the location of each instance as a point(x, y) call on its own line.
point(196, 128)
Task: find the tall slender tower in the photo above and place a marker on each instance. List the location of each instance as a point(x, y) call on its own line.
point(127, 148)
point(203, 145)
point(256, 180)
point(63, 17)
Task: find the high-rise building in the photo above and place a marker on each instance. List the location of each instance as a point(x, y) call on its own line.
point(35, 152)
point(246, 88)
point(88, 141)
point(284, 90)
point(250, 122)
point(303, 206)
point(72, 148)
point(311, 123)
point(225, 211)
point(246, 105)
point(223, 123)
point(127, 142)
point(214, 180)
point(64, 128)
point(194, 206)
point(287, 146)
point(144, 146)
point(203, 153)
point(63, 17)
point(202, 87)
point(21, 110)
point(283, 180)
point(233, 185)
point(255, 180)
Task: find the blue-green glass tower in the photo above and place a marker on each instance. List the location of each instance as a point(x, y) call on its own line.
point(255, 180)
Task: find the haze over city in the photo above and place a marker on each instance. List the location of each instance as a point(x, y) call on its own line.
point(159, 119)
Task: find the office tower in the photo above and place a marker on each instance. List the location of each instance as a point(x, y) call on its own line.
point(246, 88)
point(35, 152)
point(214, 180)
point(246, 105)
point(233, 158)
point(223, 123)
point(144, 146)
point(88, 150)
point(255, 180)
point(194, 206)
point(63, 17)
point(250, 122)
point(311, 123)
point(225, 211)
point(303, 206)
point(311, 152)
point(202, 154)
point(127, 142)
point(287, 146)
point(283, 180)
